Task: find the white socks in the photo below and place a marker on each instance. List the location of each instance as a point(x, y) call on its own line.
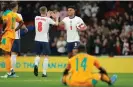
point(45, 65)
point(13, 61)
point(37, 60)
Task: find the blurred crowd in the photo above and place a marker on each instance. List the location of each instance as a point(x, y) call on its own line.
point(109, 26)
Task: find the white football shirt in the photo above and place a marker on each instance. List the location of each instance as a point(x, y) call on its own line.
point(70, 26)
point(42, 28)
point(17, 36)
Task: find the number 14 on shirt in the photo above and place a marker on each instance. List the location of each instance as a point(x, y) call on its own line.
point(82, 64)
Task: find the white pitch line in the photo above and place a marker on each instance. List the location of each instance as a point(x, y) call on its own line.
point(30, 81)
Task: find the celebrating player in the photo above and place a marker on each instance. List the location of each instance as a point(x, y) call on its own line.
point(9, 18)
point(16, 46)
point(70, 23)
point(79, 71)
point(41, 39)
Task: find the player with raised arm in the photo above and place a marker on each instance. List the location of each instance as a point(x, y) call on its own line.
point(16, 46)
point(79, 72)
point(70, 23)
point(41, 39)
point(9, 19)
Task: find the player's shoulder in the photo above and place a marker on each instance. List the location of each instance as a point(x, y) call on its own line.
point(77, 17)
point(92, 57)
point(42, 17)
point(48, 18)
point(87, 55)
point(37, 16)
point(18, 14)
point(6, 12)
point(66, 18)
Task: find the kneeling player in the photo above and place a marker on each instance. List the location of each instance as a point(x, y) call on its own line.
point(79, 72)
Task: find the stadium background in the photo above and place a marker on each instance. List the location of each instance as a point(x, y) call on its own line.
point(110, 33)
point(110, 30)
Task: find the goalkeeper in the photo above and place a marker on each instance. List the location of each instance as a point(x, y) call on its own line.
point(79, 71)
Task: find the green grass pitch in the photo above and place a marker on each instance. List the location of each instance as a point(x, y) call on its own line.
point(27, 79)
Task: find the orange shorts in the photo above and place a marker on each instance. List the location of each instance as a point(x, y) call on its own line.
point(90, 83)
point(6, 43)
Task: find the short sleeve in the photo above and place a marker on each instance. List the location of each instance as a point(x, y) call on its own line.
point(51, 21)
point(18, 19)
point(64, 20)
point(20, 16)
point(4, 18)
point(81, 21)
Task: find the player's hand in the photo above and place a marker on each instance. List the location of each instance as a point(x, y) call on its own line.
point(55, 14)
point(48, 13)
point(26, 30)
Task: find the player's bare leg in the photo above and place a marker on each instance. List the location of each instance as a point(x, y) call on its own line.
point(45, 66)
point(36, 62)
point(8, 64)
point(106, 78)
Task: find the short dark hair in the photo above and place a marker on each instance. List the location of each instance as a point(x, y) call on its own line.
point(43, 9)
point(82, 49)
point(13, 4)
point(71, 6)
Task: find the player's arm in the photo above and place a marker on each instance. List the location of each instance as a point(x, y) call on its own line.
point(57, 21)
point(82, 26)
point(3, 25)
point(20, 21)
point(4, 22)
point(20, 25)
point(55, 17)
point(67, 68)
point(24, 27)
point(61, 23)
point(98, 66)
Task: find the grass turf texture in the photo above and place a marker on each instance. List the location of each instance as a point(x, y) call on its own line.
point(27, 79)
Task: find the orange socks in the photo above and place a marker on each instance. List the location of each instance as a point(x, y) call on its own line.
point(8, 62)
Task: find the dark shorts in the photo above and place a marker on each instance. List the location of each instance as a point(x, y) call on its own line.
point(16, 46)
point(72, 45)
point(42, 47)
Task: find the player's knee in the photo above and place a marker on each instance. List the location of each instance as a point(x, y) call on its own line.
point(46, 56)
point(94, 82)
point(6, 53)
point(13, 53)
